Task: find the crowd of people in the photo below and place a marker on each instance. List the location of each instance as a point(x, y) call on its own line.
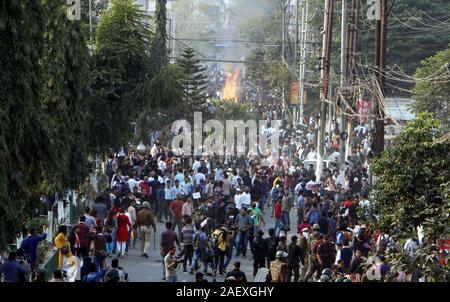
point(216, 211)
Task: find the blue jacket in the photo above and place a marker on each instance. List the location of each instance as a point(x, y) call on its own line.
point(95, 276)
point(11, 271)
point(29, 246)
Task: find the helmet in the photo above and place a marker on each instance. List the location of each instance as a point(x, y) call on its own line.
point(327, 272)
point(316, 227)
point(281, 254)
point(325, 278)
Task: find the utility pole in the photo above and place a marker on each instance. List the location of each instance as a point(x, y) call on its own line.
point(325, 78)
point(380, 63)
point(344, 46)
point(303, 58)
point(352, 35)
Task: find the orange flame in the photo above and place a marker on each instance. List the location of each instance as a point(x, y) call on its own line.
point(230, 90)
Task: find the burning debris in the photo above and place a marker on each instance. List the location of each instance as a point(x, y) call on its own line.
point(230, 89)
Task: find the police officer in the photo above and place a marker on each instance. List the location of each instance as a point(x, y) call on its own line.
point(278, 268)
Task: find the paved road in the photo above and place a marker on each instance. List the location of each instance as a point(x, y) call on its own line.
point(150, 269)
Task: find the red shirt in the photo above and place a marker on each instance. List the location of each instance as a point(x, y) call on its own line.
point(177, 207)
point(347, 203)
point(277, 210)
point(145, 188)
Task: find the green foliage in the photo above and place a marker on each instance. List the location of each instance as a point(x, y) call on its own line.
point(24, 135)
point(122, 64)
point(44, 88)
point(193, 82)
point(412, 187)
point(434, 96)
point(66, 95)
point(159, 55)
point(232, 111)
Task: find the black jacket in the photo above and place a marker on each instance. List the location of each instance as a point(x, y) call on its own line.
point(238, 274)
point(260, 247)
point(294, 254)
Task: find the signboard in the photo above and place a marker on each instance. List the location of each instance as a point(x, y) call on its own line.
point(196, 195)
point(294, 93)
point(364, 111)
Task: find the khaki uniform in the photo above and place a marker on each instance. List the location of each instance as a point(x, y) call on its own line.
point(144, 221)
point(277, 270)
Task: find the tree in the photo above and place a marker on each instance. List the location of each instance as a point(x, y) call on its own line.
point(232, 111)
point(434, 95)
point(159, 54)
point(66, 95)
point(412, 188)
point(194, 82)
point(25, 142)
point(164, 93)
point(122, 64)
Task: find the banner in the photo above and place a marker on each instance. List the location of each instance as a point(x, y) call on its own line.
point(364, 111)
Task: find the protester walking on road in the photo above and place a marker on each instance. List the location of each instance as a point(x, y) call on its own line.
point(244, 223)
point(123, 227)
point(176, 211)
point(260, 249)
point(187, 243)
point(293, 260)
point(168, 240)
point(144, 222)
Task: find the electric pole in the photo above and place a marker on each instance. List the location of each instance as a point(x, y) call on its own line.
point(303, 58)
point(344, 46)
point(325, 78)
point(380, 63)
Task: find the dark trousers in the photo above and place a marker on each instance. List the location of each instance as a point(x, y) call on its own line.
point(164, 210)
point(293, 269)
point(219, 260)
point(187, 252)
point(84, 252)
point(258, 262)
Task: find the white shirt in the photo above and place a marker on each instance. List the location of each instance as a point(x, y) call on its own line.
point(199, 177)
point(186, 187)
point(298, 187)
point(235, 181)
point(154, 151)
point(195, 166)
point(237, 201)
point(245, 200)
point(219, 174)
point(179, 177)
point(169, 194)
point(177, 190)
point(162, 165)
point(132, 183)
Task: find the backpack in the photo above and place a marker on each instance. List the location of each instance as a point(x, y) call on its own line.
point(198, 243)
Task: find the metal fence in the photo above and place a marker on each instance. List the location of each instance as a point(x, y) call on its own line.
point(51, 265)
